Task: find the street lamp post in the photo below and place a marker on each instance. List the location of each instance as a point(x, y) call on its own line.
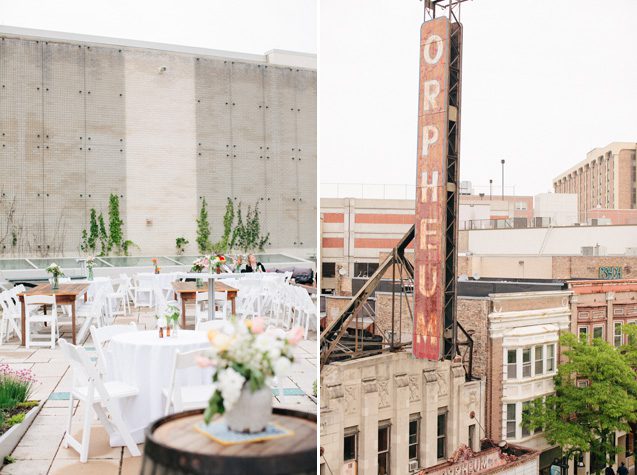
point(502, 162)
point(490, 189)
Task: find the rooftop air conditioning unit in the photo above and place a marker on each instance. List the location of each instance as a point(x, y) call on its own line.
point(631, 251)
point(594, 250)
point(413, 466)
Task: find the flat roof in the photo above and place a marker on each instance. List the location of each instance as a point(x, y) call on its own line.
point(284, 57)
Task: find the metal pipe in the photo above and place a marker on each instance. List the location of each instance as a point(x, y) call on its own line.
point(502, 162)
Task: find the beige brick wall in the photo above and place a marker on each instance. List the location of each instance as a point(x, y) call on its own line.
point(567, 267)
point(402, 325)
point(625, 179)
point(494, 389)
point(473, 315)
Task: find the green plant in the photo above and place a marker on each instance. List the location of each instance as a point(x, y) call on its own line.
point(314, 389)
point(181, 243)
point(27, 404)
point(15, 386)
point(586, 417)
point(126, 245)
point(103, 236)
point(116, 236)
point(15, 419)
point(93, 231)
point(203, 228)
point(9, 459)
point(237, 233)
point(247, 236)
point(172, 314)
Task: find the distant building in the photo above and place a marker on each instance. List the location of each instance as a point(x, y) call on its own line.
point(555, 209)
point(605, 180)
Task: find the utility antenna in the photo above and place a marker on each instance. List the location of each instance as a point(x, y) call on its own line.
point(437, 8)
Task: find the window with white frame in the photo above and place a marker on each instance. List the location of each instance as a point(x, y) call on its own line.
point(526, 362)
point(539, 360)
point(511, 421)
point(618, 340)
point(598, 331)
point(583, 333)
point(550, 358)
point(512, 364)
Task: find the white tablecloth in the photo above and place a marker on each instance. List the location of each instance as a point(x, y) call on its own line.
point(145, 361)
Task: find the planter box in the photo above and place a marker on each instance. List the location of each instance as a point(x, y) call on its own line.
point(9, 440)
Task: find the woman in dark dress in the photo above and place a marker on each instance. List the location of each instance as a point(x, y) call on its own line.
point(253, 265)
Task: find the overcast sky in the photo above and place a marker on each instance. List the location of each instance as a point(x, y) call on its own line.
point(543, 83)
point(248, 26)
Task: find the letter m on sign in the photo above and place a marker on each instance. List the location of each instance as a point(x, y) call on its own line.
point(431, 189)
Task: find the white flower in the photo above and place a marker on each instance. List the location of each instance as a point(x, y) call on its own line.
point(230, 384)
point(282, 366)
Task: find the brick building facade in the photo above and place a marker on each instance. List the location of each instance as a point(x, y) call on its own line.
point(606, 179)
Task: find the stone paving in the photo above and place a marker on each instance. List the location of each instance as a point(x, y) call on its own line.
point(40, 451)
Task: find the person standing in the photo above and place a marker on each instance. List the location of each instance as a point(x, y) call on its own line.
point(622, 470)
point(253, 265)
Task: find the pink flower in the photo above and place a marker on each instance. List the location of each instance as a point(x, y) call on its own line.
point(258, 325)
point(204, 362)
point(295, 335)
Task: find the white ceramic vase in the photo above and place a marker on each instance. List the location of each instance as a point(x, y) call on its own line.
point(252, 412)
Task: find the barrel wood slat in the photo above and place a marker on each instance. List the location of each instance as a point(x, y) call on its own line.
point(174, 447)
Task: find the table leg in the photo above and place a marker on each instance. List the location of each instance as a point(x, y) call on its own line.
point(23, 320)
point(73, 321)
point(233, 305)
point(183, 312)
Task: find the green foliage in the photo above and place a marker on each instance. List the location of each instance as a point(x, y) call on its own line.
point(587, 417)
point(9, 459)
point(315, 388)
point(203, 228)
point(103, 236)
point(247, 236)
point(15, 387)
point(116, 235)
point(181, 243)
point(222, 246)
point(93, 231)
point(237, 233)
point(28, 404)
point(110, 238)
point(15, 419)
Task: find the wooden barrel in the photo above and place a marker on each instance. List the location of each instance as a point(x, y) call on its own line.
point(174, 447)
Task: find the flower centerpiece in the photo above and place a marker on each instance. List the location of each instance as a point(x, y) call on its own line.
point(157, 268)
point(171, 315)
point(198, 266)
point(245, 358)
point(217, 262)
point(90, 263)
point(56, 272)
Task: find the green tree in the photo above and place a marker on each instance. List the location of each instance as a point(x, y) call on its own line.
point(103, 236)
point(586, 416)
point(237, 233)
point(93, 234)
point(258, 240)
point(116, 235)
point(228, 219)
point(203, 228)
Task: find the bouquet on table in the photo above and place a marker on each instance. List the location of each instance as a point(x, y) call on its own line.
point(217, 262)
point(157, 268)
point(56, 272)
point(198, 266)
point(90, 263)
point(245, 358)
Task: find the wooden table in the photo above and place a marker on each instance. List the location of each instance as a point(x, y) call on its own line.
point(174, 446)
point(67, 294)
point(188, 293)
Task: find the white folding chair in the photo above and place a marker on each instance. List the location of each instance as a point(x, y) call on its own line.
point(91, 312)
point(201, 307)
point(206, 325)
point(101, 339)
point(118, 299)
point(98, 397)
point(144, 287)
point(33, 303)
point(10, 316)
point(181, 397)
point(159, 297)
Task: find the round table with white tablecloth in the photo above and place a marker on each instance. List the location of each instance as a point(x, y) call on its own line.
point(145, 361)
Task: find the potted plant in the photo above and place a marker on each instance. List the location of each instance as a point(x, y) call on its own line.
point(217, 263)
point(157, 268)
point(245, 358)
point(181, 243)
point(198, 266)
point(172, 319)
point(17, 410)
point(56, 272)
point(90, 263)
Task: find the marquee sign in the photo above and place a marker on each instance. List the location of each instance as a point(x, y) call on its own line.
point(431, 189)
point(482, 462)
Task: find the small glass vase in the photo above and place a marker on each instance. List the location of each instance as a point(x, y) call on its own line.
point(252, 412)
point(90, 273)
point(200, 283)
point(175, 327)
point(55, 282)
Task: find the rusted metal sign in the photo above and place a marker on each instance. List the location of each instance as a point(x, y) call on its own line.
point(431, 192)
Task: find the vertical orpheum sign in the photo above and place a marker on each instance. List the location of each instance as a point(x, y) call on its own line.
point(436, 201)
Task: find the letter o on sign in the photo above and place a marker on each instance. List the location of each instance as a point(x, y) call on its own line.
point(439, 48)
